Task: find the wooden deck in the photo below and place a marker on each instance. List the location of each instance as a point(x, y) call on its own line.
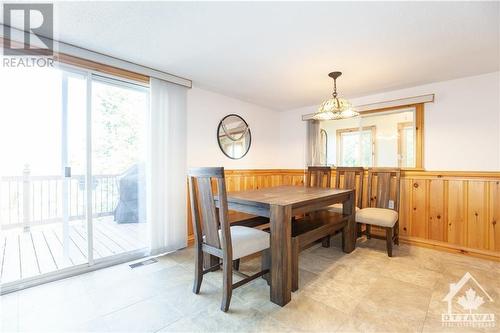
point(40, 250)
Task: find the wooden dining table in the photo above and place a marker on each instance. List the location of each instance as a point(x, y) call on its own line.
point(280, 204)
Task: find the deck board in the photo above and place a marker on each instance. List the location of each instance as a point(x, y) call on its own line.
point(134, 234)
point(3, 240)
point(56, 249)
point(111, 243)
point(76, 256)
point(99, 247)
point(46, 261)
point(81, 242)
point(12, 262)
point(29, 262)
point(124, 238)
point(40, 250)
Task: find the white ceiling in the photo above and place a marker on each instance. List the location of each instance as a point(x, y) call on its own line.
point(279, 54)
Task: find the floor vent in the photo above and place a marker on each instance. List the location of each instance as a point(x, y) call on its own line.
point(144, 263)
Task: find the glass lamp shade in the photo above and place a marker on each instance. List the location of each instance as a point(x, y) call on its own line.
point(334, 109)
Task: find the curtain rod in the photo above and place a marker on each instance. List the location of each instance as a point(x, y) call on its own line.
point(80, 52)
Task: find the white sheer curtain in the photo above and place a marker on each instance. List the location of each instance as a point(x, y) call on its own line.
point(166, 165)
point(313, 143)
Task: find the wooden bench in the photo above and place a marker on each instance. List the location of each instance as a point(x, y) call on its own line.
point(311, 228)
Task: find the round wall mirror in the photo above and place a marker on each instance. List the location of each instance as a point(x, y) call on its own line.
point(234, 137)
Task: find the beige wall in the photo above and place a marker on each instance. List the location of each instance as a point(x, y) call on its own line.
point(205, 110)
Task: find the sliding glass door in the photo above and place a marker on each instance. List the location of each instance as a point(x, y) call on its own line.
point(42, 186)
point(72, 173)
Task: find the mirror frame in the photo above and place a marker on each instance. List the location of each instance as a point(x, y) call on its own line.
point(249, 132)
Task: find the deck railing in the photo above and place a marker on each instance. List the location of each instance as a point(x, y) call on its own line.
point(34, 200)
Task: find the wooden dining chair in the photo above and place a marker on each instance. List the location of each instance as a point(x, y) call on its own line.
point(345, 178)
point(215, 237)
point(383, 204)
point(318, 176)
point(312, 228)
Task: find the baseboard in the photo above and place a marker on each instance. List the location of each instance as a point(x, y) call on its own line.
point(447, 247)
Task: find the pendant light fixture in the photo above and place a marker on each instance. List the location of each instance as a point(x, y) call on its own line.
point(335, 108)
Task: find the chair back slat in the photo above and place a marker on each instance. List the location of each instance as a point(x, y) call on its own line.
point(350, 180)
point(224, 219)
point(207, 218)
point(383, 187)
point(318, 176)
point(210, 221)
point(349, 175)
point(195, 211)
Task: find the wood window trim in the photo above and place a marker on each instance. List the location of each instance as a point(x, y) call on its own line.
point(419, 136)
point(88, 64)
point(101, 68)
point(339, 133)
point(419, 130)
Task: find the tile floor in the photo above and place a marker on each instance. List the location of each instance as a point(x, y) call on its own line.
point(364, 291)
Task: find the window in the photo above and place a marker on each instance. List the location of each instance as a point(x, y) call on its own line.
point(378, 138)
point(356, 147)
point(406, 145)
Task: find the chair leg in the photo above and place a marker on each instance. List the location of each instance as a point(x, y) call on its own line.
point(227, 271)
point(325, 242)
point(295, 264)
point(368, 231)
point(236, 264)
point(359, 232)
point(266, 264)
point(198, 271)
point(388, 237)
point(396, 233)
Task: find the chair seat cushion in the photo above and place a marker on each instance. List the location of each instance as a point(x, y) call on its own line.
point(377, 216)
point(247, 241)
point(338, 208)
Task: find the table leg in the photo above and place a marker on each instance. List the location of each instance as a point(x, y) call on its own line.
point(349, 208)
point(281, 259)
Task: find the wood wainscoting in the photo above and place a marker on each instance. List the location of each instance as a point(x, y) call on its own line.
point(449, 211)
